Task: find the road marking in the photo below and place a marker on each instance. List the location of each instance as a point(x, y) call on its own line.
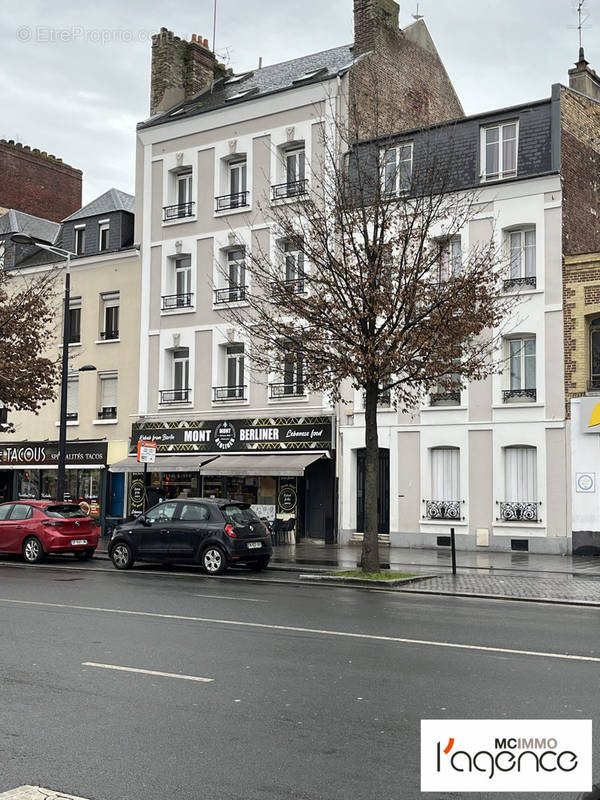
point(147, 672)
point(319, 631)
point(224, 597)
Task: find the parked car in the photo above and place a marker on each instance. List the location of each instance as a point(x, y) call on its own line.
point(215, 533)
point(37, 528)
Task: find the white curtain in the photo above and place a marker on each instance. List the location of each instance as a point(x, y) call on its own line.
point(445, 473)
point(520, 465)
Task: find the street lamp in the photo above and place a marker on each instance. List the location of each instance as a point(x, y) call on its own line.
point(21, 238)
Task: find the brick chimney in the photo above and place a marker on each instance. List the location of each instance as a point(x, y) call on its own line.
point(371, 19)
point(584, 79)
point(180, 69)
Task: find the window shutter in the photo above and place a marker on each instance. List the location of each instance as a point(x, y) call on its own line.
point(72, 395)
point(109, 392)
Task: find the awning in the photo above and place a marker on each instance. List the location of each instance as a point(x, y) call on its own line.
point(162, 464)
point(283, 464)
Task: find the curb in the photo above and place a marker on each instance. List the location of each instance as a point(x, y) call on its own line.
point(334, 580)
point(480, 596)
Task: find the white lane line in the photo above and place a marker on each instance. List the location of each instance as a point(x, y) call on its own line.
point(225, 597)
point(318, 631)
point(148, 672)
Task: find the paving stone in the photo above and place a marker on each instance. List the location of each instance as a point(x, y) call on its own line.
point(513, 586)
point(36, 793)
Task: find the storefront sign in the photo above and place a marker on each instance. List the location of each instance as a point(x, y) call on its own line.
point(41, 454)
point(137, 495)
point(589, 414)
point(262, 434)
point(146, 452)
point(287, 495)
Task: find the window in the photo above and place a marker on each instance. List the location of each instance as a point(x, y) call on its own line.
point(237, 183)
point(499, 151)
point(184, 188)
point(194, 512)
point(108, 396)
point(103, 233)
point(295, 166)
point(75, 320)
point(21, 512)
point(183, 276)
point(595, 354)
point(180, 194)
point(450, 258)
point(294, 266)
point(521, 252)
point(397, 169)
point(235, 370)
point(80, 239)
point(445, 484)
point(521, 356)
point(520, 484)
point(236, 268)
point(110, 315)
point(164, 512)
point(293, 373)
point(73, 398)
point(292, 172)
point(181, 371)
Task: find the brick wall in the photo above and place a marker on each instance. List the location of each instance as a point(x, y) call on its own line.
point(37, 183)
point(180, 69)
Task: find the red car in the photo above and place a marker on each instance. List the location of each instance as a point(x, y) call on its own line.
point(36, 528)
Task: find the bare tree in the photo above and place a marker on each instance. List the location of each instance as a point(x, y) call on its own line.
point(361, 283)
point(28, 377)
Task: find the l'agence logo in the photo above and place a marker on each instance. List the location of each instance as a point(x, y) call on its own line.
point(506, 755)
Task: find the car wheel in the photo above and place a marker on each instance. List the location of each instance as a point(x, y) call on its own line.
point(259, 564)
point(84, 555)
point(33, 552)
point(213, 560)
point(122, 556)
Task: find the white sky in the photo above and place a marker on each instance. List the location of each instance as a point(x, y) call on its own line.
point(75, 77)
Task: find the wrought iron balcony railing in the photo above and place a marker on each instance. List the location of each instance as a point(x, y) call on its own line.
point(231, 294)
point(169, 302)
point(174, 396)
point(519, 394)
point(108, 335)
point(283, 191)
point(279, 390)
point(528, 281)
point(228, 201)
point(442, 509)
point(178, 211)
point(109, 412)
point(295, 284)
point(518, 511)
point(223, 394)
point(449, 398)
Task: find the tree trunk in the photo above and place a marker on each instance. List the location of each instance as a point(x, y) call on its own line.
point(370, 547)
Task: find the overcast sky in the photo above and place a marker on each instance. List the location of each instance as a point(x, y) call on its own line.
point(75, 77)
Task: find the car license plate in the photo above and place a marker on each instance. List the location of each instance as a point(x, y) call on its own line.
point(252, 545)
point(79, 541)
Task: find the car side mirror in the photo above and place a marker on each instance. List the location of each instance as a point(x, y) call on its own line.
point(146, 523)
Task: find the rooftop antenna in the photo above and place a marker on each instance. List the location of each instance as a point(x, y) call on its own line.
point(582, 17)
point(418, 16)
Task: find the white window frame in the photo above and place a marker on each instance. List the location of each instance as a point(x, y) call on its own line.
point(180, 369)
point(79, 244)
point(401, 176)
point(502, 173)
point(103, 228)
point(111, 300)
point(235, 355)
point(520, 474)
point(104, 378)
point(445, 474)
point(297, 274)
point(75, 304)
point(239, 165)
point(298, 152)
point(73, 395)
point(184, 178)
point(518, 252)
point(517, 347)
point(451, 258)
point(183, 270)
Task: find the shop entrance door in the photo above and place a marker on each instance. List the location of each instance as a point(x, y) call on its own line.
point(383, 491)
point(319, 500)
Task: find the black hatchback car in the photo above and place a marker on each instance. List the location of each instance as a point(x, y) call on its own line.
point(213, 533)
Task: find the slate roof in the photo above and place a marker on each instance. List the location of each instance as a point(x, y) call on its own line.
point(112, 200)
point(19, 222)
point(261, 82)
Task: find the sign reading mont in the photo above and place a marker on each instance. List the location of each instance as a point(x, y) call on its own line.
point(262, 434)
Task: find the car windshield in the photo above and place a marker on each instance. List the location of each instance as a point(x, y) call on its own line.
point(66, 511)
point(239, 515)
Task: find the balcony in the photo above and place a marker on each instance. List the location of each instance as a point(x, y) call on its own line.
point(110, 412)
point(283, 191)
point(168, 396)
point(179, 211)
point(518, 511)
point(442, 509)
point(231, 294)
point(277, 391)
point(230, 201)
point(450, 398)
point(295, 285)
point(519, 395)
point(107, 336)
point(527, 282)
point(225, 394)
point(170, 302)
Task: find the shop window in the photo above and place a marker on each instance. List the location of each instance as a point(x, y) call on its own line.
point(75, 320)
point(110, 315)
point(28, 483)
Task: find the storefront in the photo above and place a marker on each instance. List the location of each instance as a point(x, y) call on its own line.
point(29, 471)
point(282, 467)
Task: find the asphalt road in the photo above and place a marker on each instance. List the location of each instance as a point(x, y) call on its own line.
point(303, 699)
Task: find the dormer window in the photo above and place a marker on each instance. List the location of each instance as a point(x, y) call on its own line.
point(397, 169)
point(499, 151)
point(80, 239)
point(103, 234)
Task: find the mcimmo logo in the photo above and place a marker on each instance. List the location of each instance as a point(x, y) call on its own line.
point(537, 755)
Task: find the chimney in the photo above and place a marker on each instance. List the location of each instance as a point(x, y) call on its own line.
point(371, 19)
point(584, 79)
point(180, 69)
